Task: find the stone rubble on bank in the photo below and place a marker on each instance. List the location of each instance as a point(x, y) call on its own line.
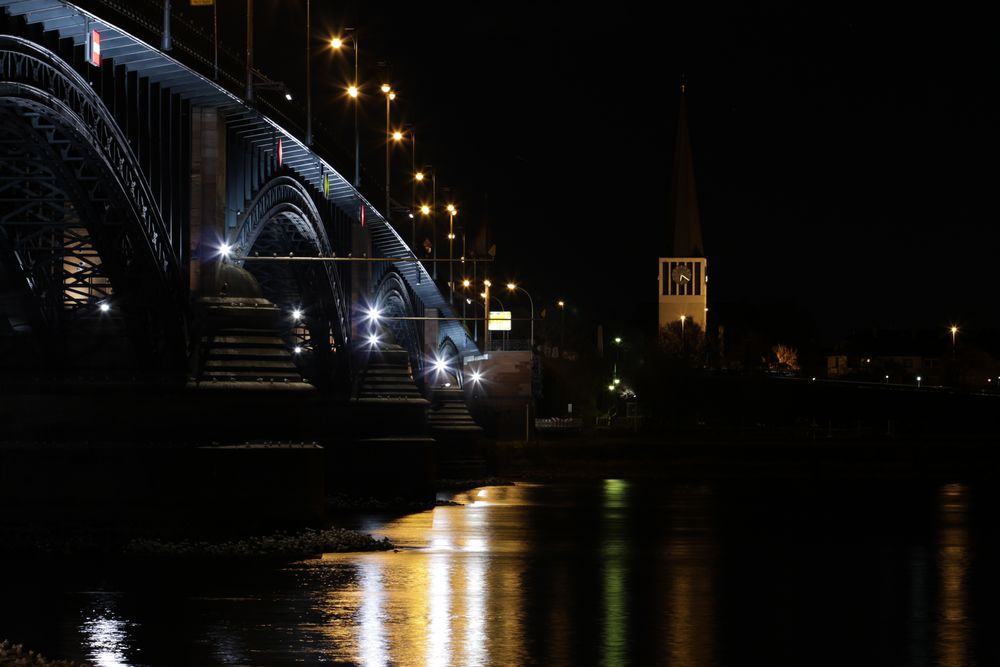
point(14, 655)
point(279, 545)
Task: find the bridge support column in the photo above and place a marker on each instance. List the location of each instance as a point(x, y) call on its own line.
point(361, 283)
point(431, 328)
point(208, 198)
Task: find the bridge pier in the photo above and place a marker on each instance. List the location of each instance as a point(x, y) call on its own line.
point(208, 199)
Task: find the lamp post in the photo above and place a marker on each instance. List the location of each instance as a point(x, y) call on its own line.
point(431, 210)
point(562, 324)
point(353, 91)
point(515, 287)
point(486, 306)
point(954, 332)
point(249, 58)
point(683, 319)
point(466, 283)
point(309, 115)
point(452, 211)
point(390, 95)
point(413, 187)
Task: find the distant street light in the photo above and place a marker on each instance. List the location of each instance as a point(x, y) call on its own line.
point(562, 324)
point(514, 287)
point(954, 332)
point(452, 212)
point(390, 95)
point(353, 91)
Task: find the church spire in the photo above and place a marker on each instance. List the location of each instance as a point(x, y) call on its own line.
point(683, 196)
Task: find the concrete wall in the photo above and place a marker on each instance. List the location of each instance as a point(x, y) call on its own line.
point(502, 401)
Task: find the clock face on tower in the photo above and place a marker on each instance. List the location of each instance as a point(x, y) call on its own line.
point(681, 274)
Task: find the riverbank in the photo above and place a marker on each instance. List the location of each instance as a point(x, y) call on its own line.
point(596, 455)
point(15, 655)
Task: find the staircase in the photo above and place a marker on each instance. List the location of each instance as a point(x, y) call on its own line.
point(448, 412)
point(240, 348)
point(388, 377)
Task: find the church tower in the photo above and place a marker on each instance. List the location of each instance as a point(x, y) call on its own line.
point(683, 275)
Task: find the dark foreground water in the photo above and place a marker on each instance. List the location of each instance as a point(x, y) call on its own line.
point(613, 572)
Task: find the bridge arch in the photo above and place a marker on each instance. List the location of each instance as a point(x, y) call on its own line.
point(282, 220)
point(449, 354)
point(393, 301)
point(82, 241)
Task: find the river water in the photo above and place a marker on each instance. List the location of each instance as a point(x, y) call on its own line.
point(608, 572)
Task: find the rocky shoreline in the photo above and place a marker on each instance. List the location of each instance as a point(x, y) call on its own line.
point(15, 655)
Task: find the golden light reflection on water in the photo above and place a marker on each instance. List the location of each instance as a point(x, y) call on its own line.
point(614, 550)
point(440, 603)
point(953, 562)
point(690, 556)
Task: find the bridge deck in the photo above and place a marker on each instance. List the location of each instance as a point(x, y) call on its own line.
point(71, 21)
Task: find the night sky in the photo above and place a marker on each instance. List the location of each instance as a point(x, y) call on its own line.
point(845, 160)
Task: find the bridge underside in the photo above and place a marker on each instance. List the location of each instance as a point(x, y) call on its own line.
point(114, 202)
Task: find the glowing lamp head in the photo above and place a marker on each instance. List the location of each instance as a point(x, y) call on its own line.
point(477, 377)
point(352, 91)
point(451, 209)
point(386, 88)
point(225, 250)
point(397, 136)
point(561, 304)
point(617, 381)
point(954, 329)
point(392, 96)
point(466, 283)
point(618, 340)
point(511, 286)
point(488, 283)
point(297, 314)
point(104, 307)
point(611, 387)
point(440, 365)
point(297, 349)
point(288, 96)
point(683, 317)
point(419, 176)
point(374, 314)
point(336, 42)
point(373, 340)
point(425, 209)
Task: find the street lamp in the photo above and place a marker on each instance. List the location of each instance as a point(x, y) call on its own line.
point(390, 95)
point(431, 211)
point(353, 90)
point(954, 332)
point(683, 319)
point(514, 287)
point(309, 116)
point(562, 323)
point(452, 211)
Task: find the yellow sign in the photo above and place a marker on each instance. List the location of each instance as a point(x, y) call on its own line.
point(202, 3)
point(499, 320)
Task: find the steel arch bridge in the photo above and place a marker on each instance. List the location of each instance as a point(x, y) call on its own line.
point(123, 185)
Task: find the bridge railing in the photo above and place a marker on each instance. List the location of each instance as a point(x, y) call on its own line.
point(193, 45)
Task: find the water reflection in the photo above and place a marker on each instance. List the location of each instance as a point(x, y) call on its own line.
point(614, 552)
point(953, 563)
point(613, 572)
point(107, 636)
point(690, 561)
